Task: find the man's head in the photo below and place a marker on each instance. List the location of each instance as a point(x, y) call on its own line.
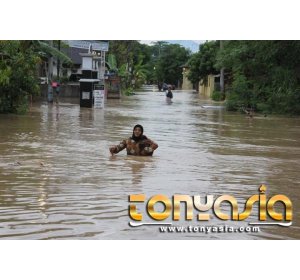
point(138, 131)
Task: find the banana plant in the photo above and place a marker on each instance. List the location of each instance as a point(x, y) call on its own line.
point(46, 49)
point(140, 72)
point(112, 62)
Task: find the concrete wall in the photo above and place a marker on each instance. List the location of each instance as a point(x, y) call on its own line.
point(69, 90)
point(186, 83)
point(73, 91)
point(208, 89)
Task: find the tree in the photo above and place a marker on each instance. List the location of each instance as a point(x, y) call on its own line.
point(265, 75)
point(261, 75)
point(171, 58)
point(50, 49)
point(18, 75)
point(124, 52)
point(18, 72)
point(194, 68)
point(138, 63)
point(203, 63)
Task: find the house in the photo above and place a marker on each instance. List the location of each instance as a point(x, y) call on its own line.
point(73, 48)
point(73, 73)
point(99, 48)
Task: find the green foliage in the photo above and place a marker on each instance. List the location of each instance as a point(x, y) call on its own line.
point(62, 79)
point(140, 72)
point(45, 50)
point(124, 56)
point(18, 77)
point(265, 75)
point(194, 67)
point(138, 63)
point(128, 91)
point(239, 96)
point(232, 101)
point(217, 96)
point(169, 62)
point(112, 62)
point(18, 71)
point(203, 62)
point(122, 50)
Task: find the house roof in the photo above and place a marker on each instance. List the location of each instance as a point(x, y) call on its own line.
point(85, 44)
point(75, 47)
point(74, 54)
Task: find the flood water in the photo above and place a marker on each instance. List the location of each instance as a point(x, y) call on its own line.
point(58, 180)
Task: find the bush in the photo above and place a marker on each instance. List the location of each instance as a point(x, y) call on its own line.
point(264, 108)
point(232, 102)
point(64, 79)
point(240, 94)
point(263, 75)
point(128, 91)
point(218, 96)
point(18, 76)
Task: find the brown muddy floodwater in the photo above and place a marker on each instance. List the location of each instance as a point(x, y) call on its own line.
point(58, 180)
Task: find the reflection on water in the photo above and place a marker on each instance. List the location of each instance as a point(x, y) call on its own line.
point(58, 180)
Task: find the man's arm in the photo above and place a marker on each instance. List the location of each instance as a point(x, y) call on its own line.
point(118, 148)
point(152, 145)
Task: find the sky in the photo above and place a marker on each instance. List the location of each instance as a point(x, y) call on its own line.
point(193, 45)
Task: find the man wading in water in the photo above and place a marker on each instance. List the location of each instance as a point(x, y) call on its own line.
point(137, 145)
point(169, 95)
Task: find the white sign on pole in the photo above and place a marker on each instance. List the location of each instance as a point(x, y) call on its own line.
point(99, 99)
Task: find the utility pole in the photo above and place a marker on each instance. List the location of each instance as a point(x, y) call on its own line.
point(222, 84)
point(50, 64)
point(58, 61)
point(50, 73)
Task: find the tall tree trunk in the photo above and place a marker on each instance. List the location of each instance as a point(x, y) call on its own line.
point(222, 84)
